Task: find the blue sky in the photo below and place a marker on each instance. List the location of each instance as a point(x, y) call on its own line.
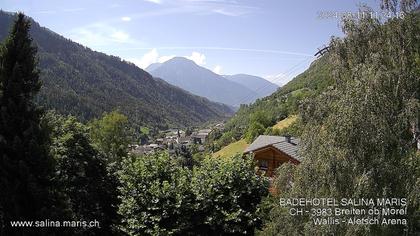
point(270, 38)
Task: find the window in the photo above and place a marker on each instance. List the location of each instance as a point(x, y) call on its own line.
point(263, 164)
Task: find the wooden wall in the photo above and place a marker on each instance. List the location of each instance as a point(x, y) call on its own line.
point(273, 157)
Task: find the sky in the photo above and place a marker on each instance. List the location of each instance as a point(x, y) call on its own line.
point(269, 38)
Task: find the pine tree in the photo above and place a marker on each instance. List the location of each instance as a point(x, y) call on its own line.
point(25, 166)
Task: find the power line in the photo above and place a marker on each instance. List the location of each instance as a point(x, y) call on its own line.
point(287, 73)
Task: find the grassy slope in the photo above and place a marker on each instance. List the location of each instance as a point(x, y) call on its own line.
point(239, 146)
point(232, 149)
point(285, 122)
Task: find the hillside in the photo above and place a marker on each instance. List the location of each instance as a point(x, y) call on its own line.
point(279, 105)
point(285, 123)
point(198, 80)
point(232, 149)
point(257, 84)
point(239, 147)
point(85, 83)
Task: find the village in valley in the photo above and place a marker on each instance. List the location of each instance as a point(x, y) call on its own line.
point(269, 151)
point(175, 138)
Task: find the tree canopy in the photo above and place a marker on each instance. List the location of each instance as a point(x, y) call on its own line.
point(356, 141)
point(218, 197)
point(25, 168)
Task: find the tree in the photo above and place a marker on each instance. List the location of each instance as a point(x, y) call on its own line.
point(112, 136)
point(228, 193)
point(258, 123)
point(161, 197)
point(188, 131)
point(156, 197)
point(254, 130)
point(184, 155)
point(25, 166)
point(82, 174)
point(356, 141)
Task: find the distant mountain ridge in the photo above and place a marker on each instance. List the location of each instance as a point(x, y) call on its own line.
point(198, 80)
point(283, 103)
point(153, 66)
point(85, 83)
point(259, 85)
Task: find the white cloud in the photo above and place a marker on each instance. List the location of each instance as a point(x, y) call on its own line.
point(154, 1)
point(149, 58)
point(126, 18)
point(217, 69)
point(120, 36)
point(222, 7)
point(279, 79)
point(162, 59)
point(198, 58)
point(231, 12)
point(101, 35)
point(153, 56)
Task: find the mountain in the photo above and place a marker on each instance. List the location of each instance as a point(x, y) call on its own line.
point(259, 85)
point(153, 66)
point(282, 103)
point(85, 83)
point(198, 80)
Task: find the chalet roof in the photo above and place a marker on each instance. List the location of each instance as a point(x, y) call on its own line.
point(278, 142)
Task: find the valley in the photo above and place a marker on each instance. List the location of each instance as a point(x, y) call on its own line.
point(160, 117)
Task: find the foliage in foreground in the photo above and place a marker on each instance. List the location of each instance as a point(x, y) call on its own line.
point(82, 175)
point(357, 141)
point(26, 169)
point(160, 197)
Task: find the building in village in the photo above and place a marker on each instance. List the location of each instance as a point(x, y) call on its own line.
point(272, 151)
point(200, 136)
point(171, 140)
point(145, 149)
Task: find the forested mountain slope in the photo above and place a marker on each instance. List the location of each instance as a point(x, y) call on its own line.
point(258, 117)
point(85, 83)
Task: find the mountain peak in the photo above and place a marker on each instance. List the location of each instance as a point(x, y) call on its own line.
point(186, 74)
point(182, 60)
point(175, 61)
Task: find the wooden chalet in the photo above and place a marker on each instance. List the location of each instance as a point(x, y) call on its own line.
point(272, 151)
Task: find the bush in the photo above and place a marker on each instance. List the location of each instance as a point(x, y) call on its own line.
point(159, 196)
point(228, 193)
